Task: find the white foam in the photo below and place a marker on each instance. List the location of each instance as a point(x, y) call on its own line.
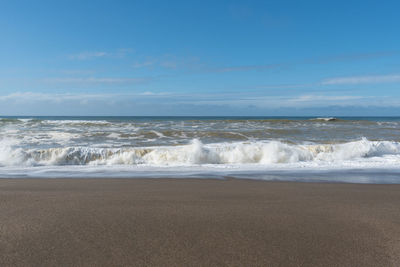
point(76, 122)
point(25, 120)
point(263, 153)
point(326, 119)
point(114, 135)
point(159, 135)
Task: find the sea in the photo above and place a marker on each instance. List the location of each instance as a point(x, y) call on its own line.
point(303, 149)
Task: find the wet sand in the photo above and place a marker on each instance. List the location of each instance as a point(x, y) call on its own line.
point(192, 222)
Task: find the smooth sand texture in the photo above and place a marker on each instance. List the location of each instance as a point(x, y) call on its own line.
point(172, 222)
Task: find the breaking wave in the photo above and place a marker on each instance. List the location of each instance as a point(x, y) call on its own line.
point(325, 119)
point(197, 153)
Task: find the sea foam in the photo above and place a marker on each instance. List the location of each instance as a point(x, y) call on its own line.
point(197, 153)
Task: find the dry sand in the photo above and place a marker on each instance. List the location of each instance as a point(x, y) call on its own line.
point(190, 222)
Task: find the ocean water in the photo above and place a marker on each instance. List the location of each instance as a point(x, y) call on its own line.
point(350, 149)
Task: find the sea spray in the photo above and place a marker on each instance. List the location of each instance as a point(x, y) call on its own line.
point(139, 146)
point(197, 153)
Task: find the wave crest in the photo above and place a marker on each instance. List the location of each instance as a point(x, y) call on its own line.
point(268, 152)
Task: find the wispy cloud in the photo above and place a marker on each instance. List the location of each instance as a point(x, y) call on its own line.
point(122, 52)
point(392, 78)
point(77, 72)
point(349, 57)
point(143, 64)
point(247, 68)
point(313, 60)
point(286, 101)
point(163, 103)
point(285, 86)
point(40, 97)
point(87, 55)
point(97, 80)
point(323, 98)
point(149, 93)
point(171, 62)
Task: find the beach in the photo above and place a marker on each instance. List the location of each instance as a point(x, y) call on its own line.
point(197, 222)
point(199, 133)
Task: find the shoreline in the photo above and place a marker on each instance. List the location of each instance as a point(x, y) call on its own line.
point(313, 180)
point(166, 221)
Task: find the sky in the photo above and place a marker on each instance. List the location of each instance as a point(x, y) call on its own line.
point(198, 58)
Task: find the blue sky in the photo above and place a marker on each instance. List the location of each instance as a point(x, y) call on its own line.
point(199, 58)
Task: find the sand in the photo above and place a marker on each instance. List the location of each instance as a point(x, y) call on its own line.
point(193, 222)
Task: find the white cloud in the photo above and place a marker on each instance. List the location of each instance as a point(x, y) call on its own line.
point(143, 64)
point(94, 80)
point(39, 97)
point(313, 98)
point(88, 55)
point(171, 62)
point(77, 72)
point(149, 93)
point(247, 68)
point(286, 101)
point(393, 78)
point(232, 100)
